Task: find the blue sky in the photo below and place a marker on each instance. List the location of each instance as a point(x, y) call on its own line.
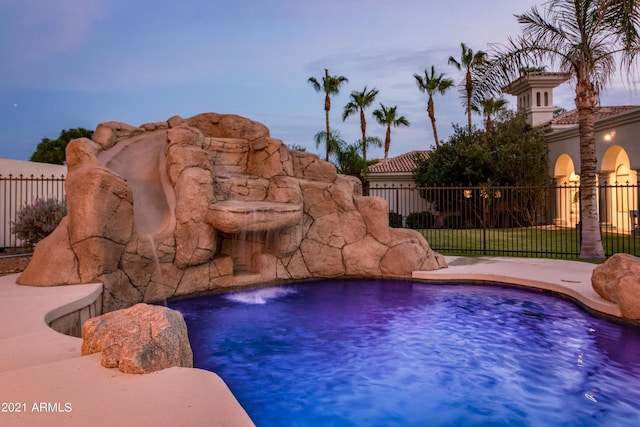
point(77, 63)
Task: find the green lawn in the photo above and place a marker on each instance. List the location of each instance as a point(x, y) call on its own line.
point(535, 242)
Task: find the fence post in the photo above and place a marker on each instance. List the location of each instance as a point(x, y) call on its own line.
point(484, 195)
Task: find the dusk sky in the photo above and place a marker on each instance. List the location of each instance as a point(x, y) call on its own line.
point(77, 63)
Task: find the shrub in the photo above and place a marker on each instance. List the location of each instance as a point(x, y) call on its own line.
point(395, 220)
point(36, 221)
point(453, 222)
point(420, 220)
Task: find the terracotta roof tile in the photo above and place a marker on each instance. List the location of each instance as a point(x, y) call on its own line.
point(571, 117)
point(402, 163)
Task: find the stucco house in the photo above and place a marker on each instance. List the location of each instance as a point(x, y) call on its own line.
point(392, 179)
point(617, 135)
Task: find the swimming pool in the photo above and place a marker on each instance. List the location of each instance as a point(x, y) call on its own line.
point(389, 352)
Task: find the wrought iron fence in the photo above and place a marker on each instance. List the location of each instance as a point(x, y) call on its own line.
point(19, 191)
point(512, 221)
point(463, 220)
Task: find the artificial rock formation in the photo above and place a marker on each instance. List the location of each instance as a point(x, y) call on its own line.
point(618, 280)
point(139, 340)
point(190, 205)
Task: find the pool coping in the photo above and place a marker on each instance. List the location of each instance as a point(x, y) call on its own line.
point(41, 366)
point(568, 278)
point(43, 374)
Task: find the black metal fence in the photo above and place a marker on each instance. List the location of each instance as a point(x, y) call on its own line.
point(512, 221)
point(18, 191)
point(465, 220)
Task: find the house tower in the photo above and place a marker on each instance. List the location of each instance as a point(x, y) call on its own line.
point(534, 92)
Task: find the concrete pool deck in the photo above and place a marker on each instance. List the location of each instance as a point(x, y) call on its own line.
point(43, 373)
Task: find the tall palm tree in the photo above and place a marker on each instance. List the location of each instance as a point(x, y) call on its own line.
point(359, 101)
point(431, 84)
point(585, 38)
point(388, 116)
point(330, 86)
point(491, 107)
point(333, 142)
point(470, 61)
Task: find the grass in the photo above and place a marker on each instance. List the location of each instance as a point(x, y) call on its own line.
point(541, 242)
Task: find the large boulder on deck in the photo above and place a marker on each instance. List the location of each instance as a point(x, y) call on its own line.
point(618, 281)
point(139, 340)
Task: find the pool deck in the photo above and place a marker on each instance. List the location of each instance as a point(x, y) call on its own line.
point(43, 369)
point(569, 278)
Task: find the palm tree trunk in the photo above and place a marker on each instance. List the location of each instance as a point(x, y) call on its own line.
point(387, 142)
point(327, 107)
point(591, 242)
point(469, 89)
point(363, 128)
point(432, 116)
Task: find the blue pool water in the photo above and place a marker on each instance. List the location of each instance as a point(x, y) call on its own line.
point(397, 353)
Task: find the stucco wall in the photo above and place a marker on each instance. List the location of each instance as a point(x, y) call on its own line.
point(622, 130)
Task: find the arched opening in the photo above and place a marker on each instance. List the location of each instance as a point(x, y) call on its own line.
point(546, 99)
point(620, 189)
point(567, 211)
point(537, 99)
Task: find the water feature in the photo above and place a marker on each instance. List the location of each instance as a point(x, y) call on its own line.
point(402, 353)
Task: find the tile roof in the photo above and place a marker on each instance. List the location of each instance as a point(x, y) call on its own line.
point(571, 117)
point(402, 163)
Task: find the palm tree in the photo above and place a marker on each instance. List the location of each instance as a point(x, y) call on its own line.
point(491, 107)
point(431, 84)
point(585, 38)
point(359, 101)
point(332, 141)
point(470, 61)
point(330, 86)
point(388, 116)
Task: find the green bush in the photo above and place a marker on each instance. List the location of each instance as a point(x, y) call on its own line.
point(36, 221)
point(454, 222)
point(420, 220)
point(395, 220)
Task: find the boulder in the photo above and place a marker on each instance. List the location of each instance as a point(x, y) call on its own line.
point(618, 280)
point(139, 340)
point(210, 202)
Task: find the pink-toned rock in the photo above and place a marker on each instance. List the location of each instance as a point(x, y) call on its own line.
point(322, 260)
point(109, 133)
point(618, 280)
point(309, 166)
point(139, 340)
point(229, 155)
point(209, 202)
point(271, 160)
point(54, 253)
point(362, 258)
point(375, 213)
point(228, 126)
point(81, 151)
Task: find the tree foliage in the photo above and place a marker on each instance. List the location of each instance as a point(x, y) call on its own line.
point(511, 152)
point(433, 83)
point(389, 116)
point(330, 85)
point(471, 62)
point(53, 151)
point(359, 101)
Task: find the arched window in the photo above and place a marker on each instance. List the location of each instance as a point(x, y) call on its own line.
point(546, 99)
point(537, 99)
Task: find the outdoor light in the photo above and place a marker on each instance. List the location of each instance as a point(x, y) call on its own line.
point(609, 136)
